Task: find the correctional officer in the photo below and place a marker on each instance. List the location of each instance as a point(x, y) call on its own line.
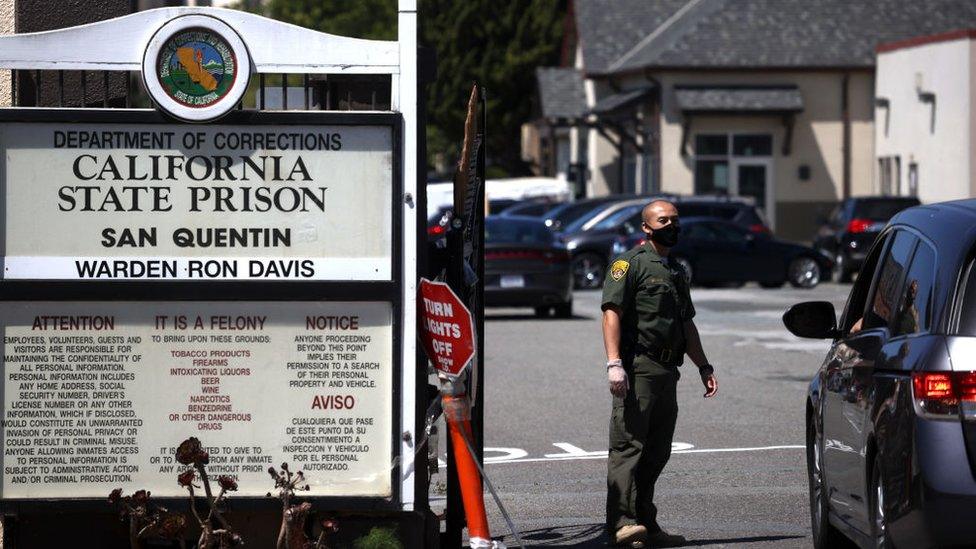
point(647, 329)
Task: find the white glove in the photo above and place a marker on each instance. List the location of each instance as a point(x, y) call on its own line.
point(617, 379)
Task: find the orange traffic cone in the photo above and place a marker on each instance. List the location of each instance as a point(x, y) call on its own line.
point(457, 412)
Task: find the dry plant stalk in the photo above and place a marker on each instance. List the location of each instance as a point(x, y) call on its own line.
point(461, 181)
point(147, 520)
point(190, 452)
point(294, 517)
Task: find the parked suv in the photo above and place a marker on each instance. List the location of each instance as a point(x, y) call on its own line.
point(891, 415)
point(852, 226)
point(739, 210)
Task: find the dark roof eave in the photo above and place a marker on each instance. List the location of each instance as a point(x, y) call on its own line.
point(741, 112)
point(758, 68)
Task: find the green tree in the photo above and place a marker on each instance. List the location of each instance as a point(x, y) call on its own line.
point(499, 45)
point(373, 19)
point(495, 43)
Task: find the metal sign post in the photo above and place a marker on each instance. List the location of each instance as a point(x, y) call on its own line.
point(209, 269)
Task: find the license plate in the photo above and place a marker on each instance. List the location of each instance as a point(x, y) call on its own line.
point(512, 281)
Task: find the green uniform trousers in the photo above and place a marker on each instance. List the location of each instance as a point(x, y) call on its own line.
point(641, 429)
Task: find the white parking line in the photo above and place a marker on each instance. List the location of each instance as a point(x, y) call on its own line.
point(574, 453)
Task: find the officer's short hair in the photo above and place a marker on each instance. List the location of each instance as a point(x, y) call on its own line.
point(651, 204)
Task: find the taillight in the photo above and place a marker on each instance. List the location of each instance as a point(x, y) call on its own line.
point(436, 230)
point(859, 225)
point(943, 394)
point(759, 228)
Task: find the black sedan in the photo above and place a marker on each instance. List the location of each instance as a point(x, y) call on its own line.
point(891, 414)
point(526, 266)
point(592, 249)
point(851, 228)
point(714, 251)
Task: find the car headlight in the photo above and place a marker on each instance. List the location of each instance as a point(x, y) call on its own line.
point(571, 245)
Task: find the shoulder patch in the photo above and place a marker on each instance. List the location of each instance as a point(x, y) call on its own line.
point(619, 269)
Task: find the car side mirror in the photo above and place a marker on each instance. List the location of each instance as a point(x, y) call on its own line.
point(812, 319)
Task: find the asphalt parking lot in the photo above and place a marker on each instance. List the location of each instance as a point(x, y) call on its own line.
point(737, 474)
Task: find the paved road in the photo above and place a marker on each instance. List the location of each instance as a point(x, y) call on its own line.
point(737, 477)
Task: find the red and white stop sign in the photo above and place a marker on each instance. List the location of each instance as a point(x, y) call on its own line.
point(446, 328)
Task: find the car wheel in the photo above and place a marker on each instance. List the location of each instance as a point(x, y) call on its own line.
point(686, 265)
point(841, 272)
point(542, 312)
point(588, 271)
point(878, 521)
point(564, 310)
point(804, 272)
point(825, 535)
point(771, 285)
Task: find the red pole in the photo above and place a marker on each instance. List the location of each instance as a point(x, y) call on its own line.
point(457, 412)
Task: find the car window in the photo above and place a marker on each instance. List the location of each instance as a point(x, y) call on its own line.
point(517, 232)
point(836, 216)
point(749, 216)
point(633, 223)
point(570, 212)
point(727, 232)
point(695, 210)
point(882, 210)
point(912, 314)
point(883, 303)
point(967, 312)
point(725, 212)
point(617, 218)
point(698, 231)
point(533, 209)
point(580, 220)
point(856, 301)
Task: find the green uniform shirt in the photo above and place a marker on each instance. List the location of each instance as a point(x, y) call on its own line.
point(655, 302)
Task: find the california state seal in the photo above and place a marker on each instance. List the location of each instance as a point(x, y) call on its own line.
point(196, 67)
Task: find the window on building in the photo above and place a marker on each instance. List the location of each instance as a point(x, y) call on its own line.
point(713, 153)
point(630, 173)
point(896, 176)
point(752, 145)
point(884, 182)
point(711, 177)
point(712, 145)
point(889, 176)
point(913, 179)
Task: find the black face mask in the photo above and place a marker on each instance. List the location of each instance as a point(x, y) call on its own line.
point(666, 236)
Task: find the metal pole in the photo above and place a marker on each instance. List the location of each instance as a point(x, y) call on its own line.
point(478, 303)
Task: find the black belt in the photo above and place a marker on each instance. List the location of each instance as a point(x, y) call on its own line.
point(661, 354)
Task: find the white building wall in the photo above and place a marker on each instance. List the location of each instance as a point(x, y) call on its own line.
point(6, 27)
point(937, 136)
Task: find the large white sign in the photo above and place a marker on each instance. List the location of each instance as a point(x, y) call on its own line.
point(96, 396)
point(156, 202)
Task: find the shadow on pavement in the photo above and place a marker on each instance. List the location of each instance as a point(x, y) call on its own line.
point(734, 541)
point(530, 316)
point(591, 536)
point(577, 535)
